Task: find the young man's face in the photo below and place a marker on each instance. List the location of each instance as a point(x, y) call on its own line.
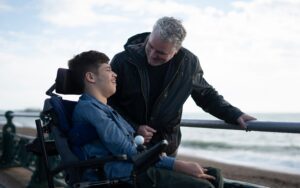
point(106, 80)
point(158, 51)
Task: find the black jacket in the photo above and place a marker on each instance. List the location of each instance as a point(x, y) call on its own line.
point(184, 78)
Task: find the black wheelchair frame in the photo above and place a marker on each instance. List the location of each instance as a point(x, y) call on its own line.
point(57, 113)
point(56, 143)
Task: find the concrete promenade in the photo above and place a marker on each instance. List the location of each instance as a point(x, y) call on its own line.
point(14, 177)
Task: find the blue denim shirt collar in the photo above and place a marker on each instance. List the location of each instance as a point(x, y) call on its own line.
point(107, 109)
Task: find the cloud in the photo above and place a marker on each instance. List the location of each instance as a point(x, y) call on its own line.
point(5, 7)
point(258, 44)
point(77, 13)
point(250, 52)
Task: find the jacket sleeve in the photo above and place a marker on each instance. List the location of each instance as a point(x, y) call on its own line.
point(209, 99)
point(113, 101)
point(109, 133)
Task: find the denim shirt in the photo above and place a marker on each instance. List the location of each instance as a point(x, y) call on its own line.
point(115, 137)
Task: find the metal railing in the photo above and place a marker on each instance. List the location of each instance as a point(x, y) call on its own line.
point(13, 150)
point(12, 145)
point(264, 126)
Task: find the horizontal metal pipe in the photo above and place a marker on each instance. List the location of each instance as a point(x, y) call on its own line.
point(33, 114)
point(264, 126)
point(23, 114)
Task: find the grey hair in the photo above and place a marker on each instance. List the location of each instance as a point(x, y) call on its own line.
point(171, 30)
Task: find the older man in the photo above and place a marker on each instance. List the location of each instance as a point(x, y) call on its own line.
point(156, 76)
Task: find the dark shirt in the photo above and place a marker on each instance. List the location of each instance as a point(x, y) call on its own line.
point(156, 76)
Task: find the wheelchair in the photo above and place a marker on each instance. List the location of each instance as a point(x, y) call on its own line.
point(53, 139)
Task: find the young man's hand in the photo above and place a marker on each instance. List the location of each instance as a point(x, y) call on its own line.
point(192, 169)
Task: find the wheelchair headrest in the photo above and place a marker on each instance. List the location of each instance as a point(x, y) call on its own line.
point(65, 82)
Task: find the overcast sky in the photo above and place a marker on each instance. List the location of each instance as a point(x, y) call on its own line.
point(249, 50)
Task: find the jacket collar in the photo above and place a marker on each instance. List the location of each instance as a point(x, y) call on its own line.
point(135, 48)
point(99, 104)
point(122, 124)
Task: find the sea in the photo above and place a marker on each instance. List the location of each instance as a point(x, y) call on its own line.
point(264, 150)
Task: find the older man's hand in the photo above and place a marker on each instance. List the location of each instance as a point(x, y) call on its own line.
point(243, 119)
point(147, 132)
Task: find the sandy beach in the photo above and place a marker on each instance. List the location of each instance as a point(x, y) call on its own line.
point(252, 175)
point(258, 176)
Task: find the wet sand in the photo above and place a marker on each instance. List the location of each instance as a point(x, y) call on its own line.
point(14, 178)
point(252, 175)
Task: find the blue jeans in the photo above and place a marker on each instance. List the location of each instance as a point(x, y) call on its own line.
point(162, 178)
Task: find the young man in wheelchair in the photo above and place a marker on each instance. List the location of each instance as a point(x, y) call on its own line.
point(116, 136)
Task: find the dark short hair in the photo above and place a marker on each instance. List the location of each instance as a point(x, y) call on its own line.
point(84, 62)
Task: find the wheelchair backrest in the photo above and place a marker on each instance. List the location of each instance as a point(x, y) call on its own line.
point(63, 110)
point(59, 111)
point(68, 139)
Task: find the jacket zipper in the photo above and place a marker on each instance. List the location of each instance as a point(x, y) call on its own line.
point(164, 91)
point(143, 92)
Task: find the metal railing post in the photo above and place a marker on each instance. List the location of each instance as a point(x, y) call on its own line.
point(7, 150)
point(38, 178)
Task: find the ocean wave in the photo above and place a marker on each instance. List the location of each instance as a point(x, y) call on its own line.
point(203, 145)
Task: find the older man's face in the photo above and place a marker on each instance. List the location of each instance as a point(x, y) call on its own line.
point(158, 51)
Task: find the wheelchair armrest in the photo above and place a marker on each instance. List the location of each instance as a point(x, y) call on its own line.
point(144, 160)
point(96, 162)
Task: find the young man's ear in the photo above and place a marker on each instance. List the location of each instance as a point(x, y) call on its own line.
point(89, 76)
